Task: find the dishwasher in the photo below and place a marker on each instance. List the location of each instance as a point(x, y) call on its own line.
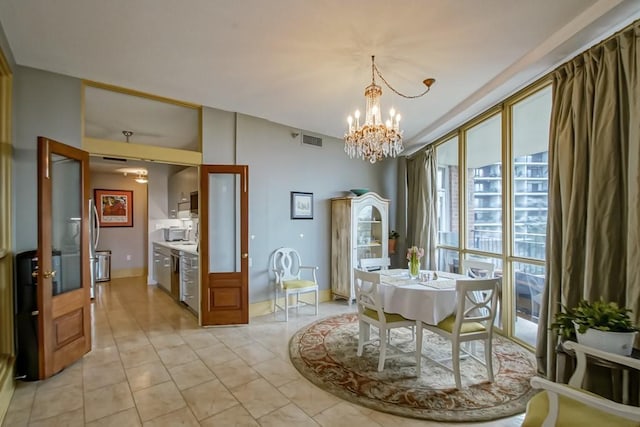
point(175, 274)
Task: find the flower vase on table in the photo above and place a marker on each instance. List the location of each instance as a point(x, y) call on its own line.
point(414, 269)
point(413, 256)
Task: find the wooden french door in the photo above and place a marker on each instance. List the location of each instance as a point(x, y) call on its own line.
point(224, 245)
point(64, 302)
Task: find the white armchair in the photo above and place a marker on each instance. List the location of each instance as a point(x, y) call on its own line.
point(287, 268)
point(569, 405)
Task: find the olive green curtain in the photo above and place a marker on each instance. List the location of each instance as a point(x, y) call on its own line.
point(593, 236)
point(422, 192)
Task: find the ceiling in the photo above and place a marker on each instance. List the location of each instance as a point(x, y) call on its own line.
point(305, 63)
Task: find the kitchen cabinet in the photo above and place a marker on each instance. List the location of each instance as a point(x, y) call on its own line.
point(359, 229)
point(180, 186)
point(162, 266)
point(189, 280)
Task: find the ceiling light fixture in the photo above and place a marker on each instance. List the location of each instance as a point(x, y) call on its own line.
point(127, 134)
point(374, 139)
point(142, 178)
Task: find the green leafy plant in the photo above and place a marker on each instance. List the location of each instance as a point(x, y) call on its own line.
point(604, 316)
point(393, 234)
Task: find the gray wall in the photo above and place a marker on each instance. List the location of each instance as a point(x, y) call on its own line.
point(45, 104)
point(278, 164)
point(49, 104)
point(218, 137)
point(125, 241)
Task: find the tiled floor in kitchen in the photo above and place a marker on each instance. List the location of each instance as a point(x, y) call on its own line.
point(152, 365)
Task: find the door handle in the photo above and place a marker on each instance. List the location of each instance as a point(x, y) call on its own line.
point(49, 274)
point(245, 255)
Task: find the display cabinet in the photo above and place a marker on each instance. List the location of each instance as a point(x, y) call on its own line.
point(359, 229)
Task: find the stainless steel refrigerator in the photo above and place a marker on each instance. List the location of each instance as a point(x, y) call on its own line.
point(94, 237)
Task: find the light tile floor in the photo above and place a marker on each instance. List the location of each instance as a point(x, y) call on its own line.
point(152, 365)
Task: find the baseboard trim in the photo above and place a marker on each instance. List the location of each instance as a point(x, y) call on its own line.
point(128, 272)
point(265, 307)
point(7, 384)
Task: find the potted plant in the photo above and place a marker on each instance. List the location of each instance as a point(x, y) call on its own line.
point(393, 240)
point(598, 324)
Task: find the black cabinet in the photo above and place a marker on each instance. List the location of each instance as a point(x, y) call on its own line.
point(26, 310)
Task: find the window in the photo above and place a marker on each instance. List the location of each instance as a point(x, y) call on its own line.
point(447, 155)
point(530, 130)
point(485, 180)
point(484, 189)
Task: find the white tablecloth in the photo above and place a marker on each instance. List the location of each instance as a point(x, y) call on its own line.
point(428, 301)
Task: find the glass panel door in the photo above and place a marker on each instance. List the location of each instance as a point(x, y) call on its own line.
point(66, 223)
point(224, 223)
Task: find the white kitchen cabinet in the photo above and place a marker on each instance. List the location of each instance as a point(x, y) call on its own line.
point(359, 229)
point(162, 266)
point(180, 186)
point(189, 280)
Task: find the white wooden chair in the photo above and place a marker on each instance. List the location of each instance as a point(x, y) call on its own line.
point(374, 264)
point(288, 269)
point(567, 405)
point(477, 301)
point(370, 313)
point(477, 269)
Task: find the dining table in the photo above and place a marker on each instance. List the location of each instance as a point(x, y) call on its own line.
point(429, 298)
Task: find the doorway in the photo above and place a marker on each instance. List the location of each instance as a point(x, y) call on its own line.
point(155, 207)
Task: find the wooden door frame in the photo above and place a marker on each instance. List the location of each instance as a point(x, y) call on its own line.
point(47, 306)
point(7, 339)
point(205, 276)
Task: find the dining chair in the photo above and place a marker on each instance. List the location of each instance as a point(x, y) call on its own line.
point(371, 313)
point(374, 264)
point(567, 405)
point(477, 269)
point(476, 305)
point(288, 268)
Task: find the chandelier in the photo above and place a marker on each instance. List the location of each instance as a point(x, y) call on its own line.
point(376, 139)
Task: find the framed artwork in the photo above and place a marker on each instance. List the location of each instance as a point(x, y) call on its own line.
point(301, 205)
point(115, 207)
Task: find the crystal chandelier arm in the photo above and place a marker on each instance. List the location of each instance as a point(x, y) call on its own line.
point(427, 83)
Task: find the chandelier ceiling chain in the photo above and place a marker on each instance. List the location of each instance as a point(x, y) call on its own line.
point(376, 139)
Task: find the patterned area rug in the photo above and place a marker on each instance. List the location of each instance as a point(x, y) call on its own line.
point(325, 353)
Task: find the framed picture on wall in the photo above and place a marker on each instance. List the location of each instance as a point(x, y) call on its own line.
point(115, 207)
point(301, 205)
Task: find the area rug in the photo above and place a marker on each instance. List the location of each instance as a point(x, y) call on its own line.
point(325, 353)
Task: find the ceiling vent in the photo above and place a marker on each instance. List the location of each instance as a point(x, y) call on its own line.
point(311, 140)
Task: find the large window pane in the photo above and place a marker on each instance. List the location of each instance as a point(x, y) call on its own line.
point(447, 154)
point(528, 281)
point(531, 118)
point(484, 186)
point(447, 260)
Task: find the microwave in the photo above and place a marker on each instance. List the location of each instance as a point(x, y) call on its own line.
point(173, 234)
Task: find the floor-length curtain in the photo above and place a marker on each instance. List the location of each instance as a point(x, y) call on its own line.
point(593, 238)
point(421, 204)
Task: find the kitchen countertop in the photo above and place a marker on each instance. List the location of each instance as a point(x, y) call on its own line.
point(188, 247)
